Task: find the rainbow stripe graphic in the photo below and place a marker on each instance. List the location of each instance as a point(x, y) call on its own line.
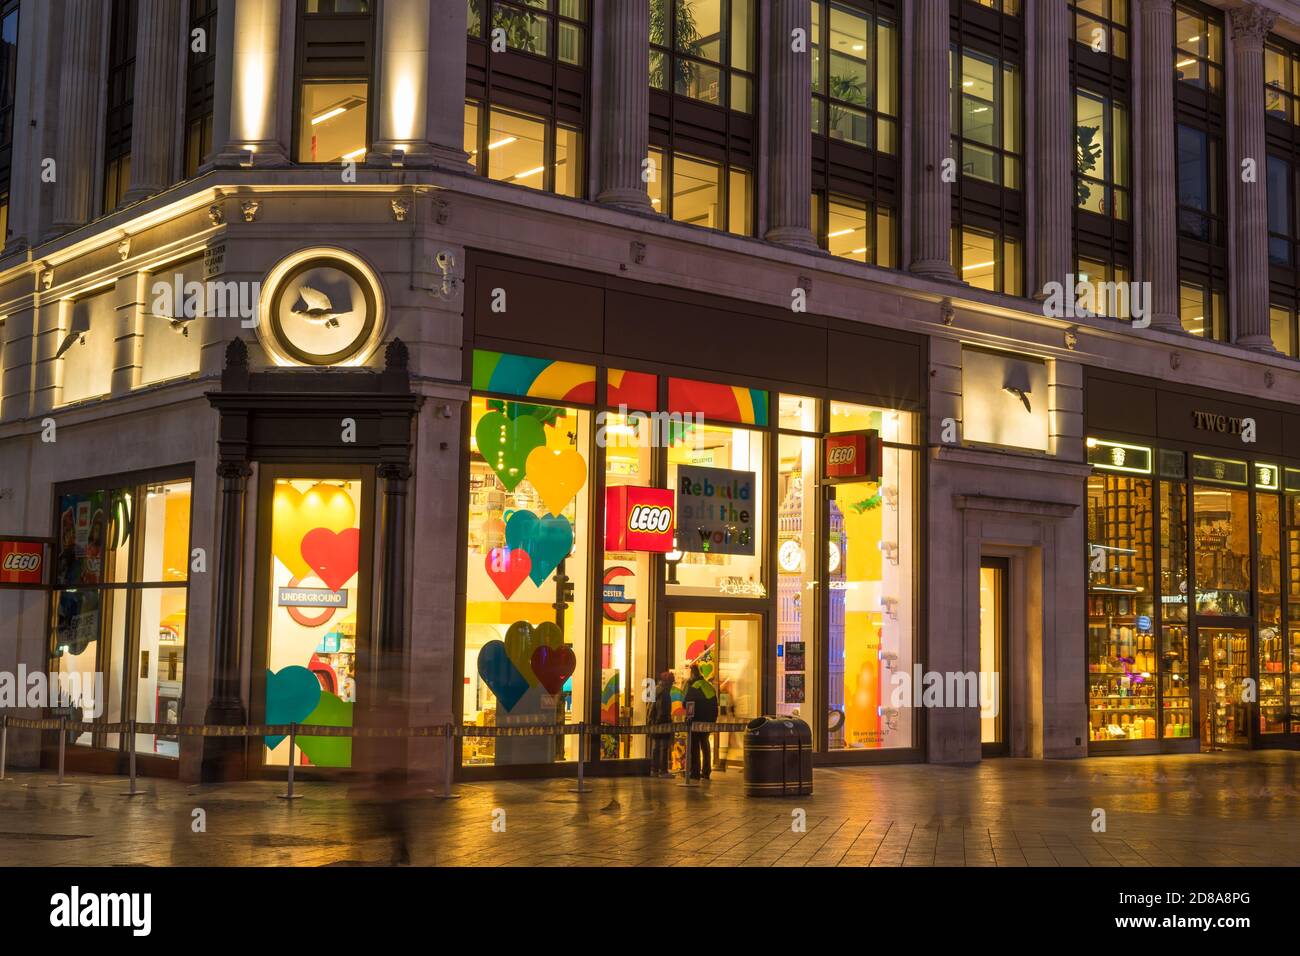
point(530, 377)
point(727, 403)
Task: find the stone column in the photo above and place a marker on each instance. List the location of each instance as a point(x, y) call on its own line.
point(1053, 148)
point(1250, 24)
point(1157, 174)
point(789, 211)
point(625, 106)
point(79, 120)
point(932, 143)
point(222, 756)
point(252, 120)
point(157, 97)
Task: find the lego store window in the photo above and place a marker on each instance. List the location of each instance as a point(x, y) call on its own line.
point(120, 601)
point(335, 51)
point(521, 149)
point(704, 50)
point(701, 192)
point(528, 586)
point(1101, 155)
point(1102, 25)
point(799, 543)
point(988, 261)
point(869, 574)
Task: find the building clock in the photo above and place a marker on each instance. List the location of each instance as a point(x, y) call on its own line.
point(790, 556)
point(321, 307)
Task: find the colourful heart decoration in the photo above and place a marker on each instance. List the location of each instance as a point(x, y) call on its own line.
point(295, 513)
point(557, 475)
point(553, 665)
point(547, 540)
point(501, 676)
point(291, 694)
point(507, 567)
point(332, 711)
point(506, 444)
point(523, 639)
point(332, 555)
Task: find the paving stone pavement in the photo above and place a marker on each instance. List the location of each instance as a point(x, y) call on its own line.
point(1214, 809)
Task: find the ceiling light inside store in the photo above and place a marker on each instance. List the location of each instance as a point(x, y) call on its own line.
point(502, 142)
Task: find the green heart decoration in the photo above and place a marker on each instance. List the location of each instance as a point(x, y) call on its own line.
point(507, 444)
point(332, 711)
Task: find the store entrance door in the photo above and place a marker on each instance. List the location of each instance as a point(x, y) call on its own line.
point(993, 655)
point(1225, 667)
point(728, 648)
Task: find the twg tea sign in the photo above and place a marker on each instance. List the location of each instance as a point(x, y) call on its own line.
point(715, 510)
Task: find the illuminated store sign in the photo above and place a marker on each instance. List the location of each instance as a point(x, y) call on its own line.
point(1116, 456)
point(1267, 477)
point(1214, 422)
point(639, 519)
point(1226, 470)
point(853, 456)
point(22, 563)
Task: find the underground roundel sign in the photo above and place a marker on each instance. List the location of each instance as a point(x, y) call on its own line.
point(639, 519)
point(853, 456)
point(22, 563)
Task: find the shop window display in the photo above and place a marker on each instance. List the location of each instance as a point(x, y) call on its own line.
point(1175, 645)
point(317, 594)
point(797, 644)
point(1221, 541)
point(1291, 663)
point(528, 588)
point(1272, 667)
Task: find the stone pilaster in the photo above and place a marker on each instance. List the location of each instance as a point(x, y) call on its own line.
point(128, 334)
point(157, 97)
point(252, 120)
point(932, 142)
point(1053, 148)
point(1157, 174)
point(624, 106)
point(1250, 24)
point(78, 120)
point(789, 212)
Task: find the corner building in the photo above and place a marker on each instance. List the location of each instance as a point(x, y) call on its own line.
point(343, 339)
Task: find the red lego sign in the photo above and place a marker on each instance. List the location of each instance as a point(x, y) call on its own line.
point(853, 456)
point(639, 519)
point(22, 563)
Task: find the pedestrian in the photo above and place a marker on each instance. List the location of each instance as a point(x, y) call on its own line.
point(702, 707)
point(661, 712)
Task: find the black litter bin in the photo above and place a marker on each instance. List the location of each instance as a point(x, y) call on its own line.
point(778, 757)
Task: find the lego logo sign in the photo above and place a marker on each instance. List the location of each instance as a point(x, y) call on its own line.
point(639, 519)
point(853, 456)
point(22, 563)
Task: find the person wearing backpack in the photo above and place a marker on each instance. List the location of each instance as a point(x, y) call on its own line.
point(701, 706)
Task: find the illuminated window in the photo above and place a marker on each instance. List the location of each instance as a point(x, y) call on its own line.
point(553, 29)
point(1010, 7)
point(702, 193)
point(333, 123)
point(1102, 26)
point(513, 147)
point(854, 229)
point(1281, 83)
point(120, 99)
point(704, 50)
point(334, 62)
point(988, 261)
point(855, 69)
point(200, 84)
point(1282, 327)
point(1201, 311)
point(1198, 50)
point(986, 117)
point(1109, 288)
point(1101, 155)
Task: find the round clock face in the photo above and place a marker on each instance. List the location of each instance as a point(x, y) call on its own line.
point(322, 311)
point(835, 558)
point(790, 556)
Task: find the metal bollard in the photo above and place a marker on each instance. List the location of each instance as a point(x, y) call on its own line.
point(293, 741)
point(4, 747)
point(450, 768)
point(130, 742)
point(63, 746)
point(582, 761)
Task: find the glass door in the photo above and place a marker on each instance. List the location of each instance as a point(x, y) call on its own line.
point(993, 655)
point(727, 649)
point(1224, 670)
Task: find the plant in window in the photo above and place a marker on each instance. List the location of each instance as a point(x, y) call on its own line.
point(523, 29)
point(686, 32)
point(1086, 154)
point(849, 89)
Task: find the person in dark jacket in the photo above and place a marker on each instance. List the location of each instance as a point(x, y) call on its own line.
point(701, 706)
point(661, 712)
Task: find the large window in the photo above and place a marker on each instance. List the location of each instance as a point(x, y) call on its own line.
point(119, 606)
point(200, 82)
point(855, 229)
point(988, 261)
point(986, 117)
point(1101, 155)
point(1202, 311)
point(1199, 206)
point(335, 60)
point(1198, 48)
point(1102, 26)
point(1281, 83)
point(704, 50)
point(120, 99)
point(522, 149)
point(552, 29)
point(701, 192)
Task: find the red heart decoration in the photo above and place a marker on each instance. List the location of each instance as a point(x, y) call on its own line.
point(553, 665)
point(332, 556)
point(507, 567)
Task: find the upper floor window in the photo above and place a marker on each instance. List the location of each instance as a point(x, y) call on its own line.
point(1202, 312)
point(987, 260)
point(1101, 155)
point(554, 29)
point(120, 101)
point(986, 117)
point(335, 59)
point(704, 50)
point(1010, 7)
point(200, 83)
point(1102, 26)
point(854, 81)
point(517, 147)
point(1198, 179)
point(1281, 85)
point(1198, 49)
point(1281, 212)
point(8, 96)
point(701, 192)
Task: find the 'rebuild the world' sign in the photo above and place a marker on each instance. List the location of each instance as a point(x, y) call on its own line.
point(715, 510)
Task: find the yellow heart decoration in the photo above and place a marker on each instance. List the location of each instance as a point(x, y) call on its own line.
point(294, 513)
point(557, 476)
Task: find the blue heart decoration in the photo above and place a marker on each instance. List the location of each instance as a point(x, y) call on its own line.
point(501, 675)
point(547, 540)
point(291, 694)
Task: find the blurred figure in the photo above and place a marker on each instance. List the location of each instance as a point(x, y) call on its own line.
point(701, 706)
point(661, 712)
